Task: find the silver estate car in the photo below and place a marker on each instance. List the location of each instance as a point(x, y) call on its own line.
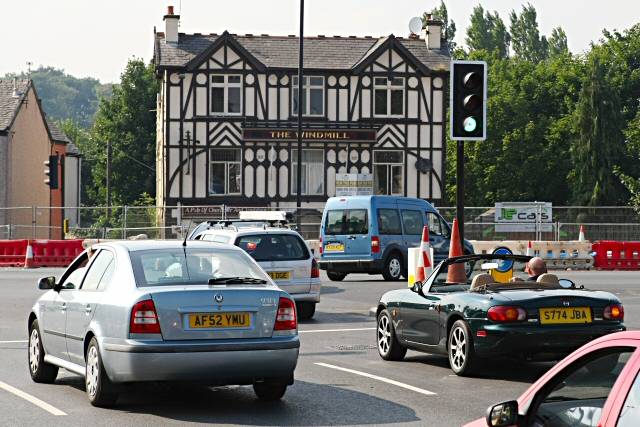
point(134, 311)
point(283, 255)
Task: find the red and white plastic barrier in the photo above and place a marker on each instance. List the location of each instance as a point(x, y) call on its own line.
point(39, 253)
point(614, 255)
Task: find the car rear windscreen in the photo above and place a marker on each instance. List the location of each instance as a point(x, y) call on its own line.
point(190, 266)
point(274, 247)
point(346, 221)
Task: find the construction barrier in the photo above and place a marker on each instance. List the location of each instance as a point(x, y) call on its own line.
point(614, 255)
point(55, 253)
point(12, 253)
point(574, 254)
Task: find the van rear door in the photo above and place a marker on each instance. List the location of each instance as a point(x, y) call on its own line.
point(357, 231)
point(334, 244)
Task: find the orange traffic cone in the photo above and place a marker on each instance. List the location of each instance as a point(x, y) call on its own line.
point(28, 260)
point(424, 247)
point(420, 276)
point(581, 234)
point(456, 273)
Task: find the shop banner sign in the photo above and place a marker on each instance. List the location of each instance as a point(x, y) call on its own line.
point(354, 184)
point(523, 216)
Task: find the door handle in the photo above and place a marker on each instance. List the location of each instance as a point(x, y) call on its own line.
point(351, 237)
point(63, 306)
point(87, 309)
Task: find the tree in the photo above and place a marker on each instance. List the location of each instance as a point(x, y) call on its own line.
point(449, 27)
point(525, 36)
point(558, 42)
point(600, 142)
point(128, 121)
point(632, 183)
point(488, 32)
point(67, 97)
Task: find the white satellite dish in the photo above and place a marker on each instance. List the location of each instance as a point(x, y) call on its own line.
point(415, 25)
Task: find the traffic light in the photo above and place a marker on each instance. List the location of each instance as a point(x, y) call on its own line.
point(65, 226)
point(468, 100)
point(51, 172)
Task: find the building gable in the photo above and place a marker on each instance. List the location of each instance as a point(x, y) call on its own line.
point(225, 52)
point(387, 55)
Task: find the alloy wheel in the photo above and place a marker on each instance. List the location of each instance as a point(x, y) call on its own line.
point(394, 267)
point(458, 348)
point(93, 370)
point(34, 350)
point(384, 334)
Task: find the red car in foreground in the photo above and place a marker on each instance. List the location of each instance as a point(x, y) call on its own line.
point(597, 386)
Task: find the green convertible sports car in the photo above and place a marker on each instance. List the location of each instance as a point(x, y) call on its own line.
point(482, 318)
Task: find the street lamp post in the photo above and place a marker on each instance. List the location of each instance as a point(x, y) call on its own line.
point(300, 111)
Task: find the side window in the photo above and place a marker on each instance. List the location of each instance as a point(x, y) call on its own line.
point(389, 221)
point(335, 221)
point(435, 225)
point(412, 222)
point(577, 396)
point(73, 280)
point(97, 269)
point(80, 262)
point(357, 222)
point(630, 413)
point(106, 277)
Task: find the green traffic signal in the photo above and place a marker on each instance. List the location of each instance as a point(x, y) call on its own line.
point(470, 124)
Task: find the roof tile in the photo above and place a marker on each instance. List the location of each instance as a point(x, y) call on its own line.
point(331, 53)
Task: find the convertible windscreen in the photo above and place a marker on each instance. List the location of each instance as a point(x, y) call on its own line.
point(192, 266)
point(490, 270)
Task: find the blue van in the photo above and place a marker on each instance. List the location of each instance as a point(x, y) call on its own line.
point(372, 234)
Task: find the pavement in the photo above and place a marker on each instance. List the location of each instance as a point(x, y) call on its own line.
point(340, 379)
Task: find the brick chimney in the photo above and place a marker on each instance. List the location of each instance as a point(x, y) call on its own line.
point(171, 26)
point(432, 32)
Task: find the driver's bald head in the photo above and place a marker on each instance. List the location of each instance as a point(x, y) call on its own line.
point(537, 266)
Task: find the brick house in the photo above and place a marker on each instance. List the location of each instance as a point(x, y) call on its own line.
point(28, 140)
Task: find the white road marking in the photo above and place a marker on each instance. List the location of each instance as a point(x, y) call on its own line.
point(375, 377)
point(26, 396)
point(308, 331)
point(13, 342)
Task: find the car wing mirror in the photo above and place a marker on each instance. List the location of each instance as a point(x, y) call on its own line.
point(566, 283)
point(417, 287)
point(503, 414)
point(47, 283)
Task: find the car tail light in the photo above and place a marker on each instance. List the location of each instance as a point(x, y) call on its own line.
point(320, 246)
point(286, 316)
point(375, 244)
point(614, 312)
point(315, 270)
point(144, 319)
point(505, 313)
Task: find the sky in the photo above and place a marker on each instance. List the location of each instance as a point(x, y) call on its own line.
point(95, 38)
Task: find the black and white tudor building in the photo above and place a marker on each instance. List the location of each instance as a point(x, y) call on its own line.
point(227, 114)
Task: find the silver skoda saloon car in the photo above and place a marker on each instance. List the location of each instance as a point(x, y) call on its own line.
point(135, 311)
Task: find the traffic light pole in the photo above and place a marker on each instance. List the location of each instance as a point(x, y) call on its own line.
point(460, 190)
point(300, 112)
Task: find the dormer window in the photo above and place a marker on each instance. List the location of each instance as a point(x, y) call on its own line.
point(226, 94)
point(312, 96)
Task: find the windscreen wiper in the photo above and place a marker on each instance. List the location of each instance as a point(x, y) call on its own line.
point(236, 280)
